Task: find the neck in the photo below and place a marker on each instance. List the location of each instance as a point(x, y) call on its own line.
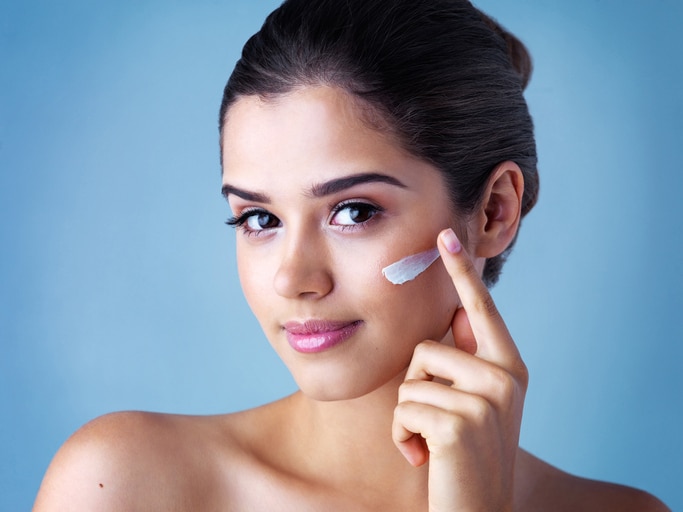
point(356, 431)
point(356, 435)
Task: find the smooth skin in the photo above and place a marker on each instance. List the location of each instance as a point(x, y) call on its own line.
point(419, 410)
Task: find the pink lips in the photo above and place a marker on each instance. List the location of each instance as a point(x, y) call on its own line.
point(318, 335)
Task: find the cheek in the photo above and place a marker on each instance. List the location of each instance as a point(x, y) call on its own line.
point(416, 310)
point(254, 277)
point(428, 303)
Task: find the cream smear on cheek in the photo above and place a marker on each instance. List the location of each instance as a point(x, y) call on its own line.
point(408, 268)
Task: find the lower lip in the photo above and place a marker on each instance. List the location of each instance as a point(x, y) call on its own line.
point(311, 343)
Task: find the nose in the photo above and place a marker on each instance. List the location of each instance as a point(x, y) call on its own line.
point(304, 270)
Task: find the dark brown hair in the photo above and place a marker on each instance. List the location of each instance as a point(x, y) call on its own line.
point(445, 78)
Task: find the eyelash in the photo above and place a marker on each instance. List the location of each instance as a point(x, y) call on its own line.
point(240, 221)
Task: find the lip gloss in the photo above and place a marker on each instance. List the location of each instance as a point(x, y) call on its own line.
point(318, 335)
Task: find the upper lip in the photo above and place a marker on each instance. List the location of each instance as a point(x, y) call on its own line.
point(315, 326)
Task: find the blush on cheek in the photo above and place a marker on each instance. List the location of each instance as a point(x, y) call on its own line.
point(408, 268)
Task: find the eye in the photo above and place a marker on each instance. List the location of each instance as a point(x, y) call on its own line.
point(353, 213)
point(261, 220)
point(254, 221)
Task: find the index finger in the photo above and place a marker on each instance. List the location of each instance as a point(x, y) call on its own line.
point(494, 342)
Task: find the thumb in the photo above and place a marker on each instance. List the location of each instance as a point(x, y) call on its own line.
point(462, 332)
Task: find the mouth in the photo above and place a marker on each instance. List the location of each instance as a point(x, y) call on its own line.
point(314, 336)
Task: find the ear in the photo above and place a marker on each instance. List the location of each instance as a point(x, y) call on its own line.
point(495, 223)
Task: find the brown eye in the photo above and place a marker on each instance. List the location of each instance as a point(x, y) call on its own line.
point(349, 214)
point(254, 221)
point(261, 220)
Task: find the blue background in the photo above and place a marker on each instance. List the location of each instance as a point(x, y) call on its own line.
point(118, 287)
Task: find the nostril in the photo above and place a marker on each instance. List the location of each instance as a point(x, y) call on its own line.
point(302, 279)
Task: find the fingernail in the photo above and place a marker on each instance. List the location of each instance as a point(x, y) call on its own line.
point(450, 241)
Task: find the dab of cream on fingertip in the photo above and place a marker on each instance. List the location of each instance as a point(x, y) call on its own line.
point(410, 267)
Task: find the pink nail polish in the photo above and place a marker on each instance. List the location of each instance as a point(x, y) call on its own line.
point(451, 241)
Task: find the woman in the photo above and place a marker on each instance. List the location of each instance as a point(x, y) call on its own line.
point(355, 135)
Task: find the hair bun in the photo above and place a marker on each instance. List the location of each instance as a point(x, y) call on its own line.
point(518, 54)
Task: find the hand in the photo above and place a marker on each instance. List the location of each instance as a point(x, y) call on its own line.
point(468, 430)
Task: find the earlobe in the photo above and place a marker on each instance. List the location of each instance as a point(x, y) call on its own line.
point(498, 218)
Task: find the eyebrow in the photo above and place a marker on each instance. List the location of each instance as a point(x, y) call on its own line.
point(320, 189)
point(256, 197)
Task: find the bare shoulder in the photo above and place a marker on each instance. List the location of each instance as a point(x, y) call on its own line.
point(545, 487)
point(133, 461)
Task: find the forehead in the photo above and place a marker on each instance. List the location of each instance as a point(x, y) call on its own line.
point(282, 146)
point(316, 103)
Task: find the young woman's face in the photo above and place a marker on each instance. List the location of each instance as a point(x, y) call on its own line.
point(322, 203)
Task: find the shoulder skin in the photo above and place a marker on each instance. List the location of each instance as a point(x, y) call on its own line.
point(131, 461)
point(549, 488)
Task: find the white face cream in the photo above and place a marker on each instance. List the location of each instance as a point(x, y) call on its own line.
point(410, 267)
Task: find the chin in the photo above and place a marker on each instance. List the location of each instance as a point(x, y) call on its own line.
point(331, 386)
point(326, 391)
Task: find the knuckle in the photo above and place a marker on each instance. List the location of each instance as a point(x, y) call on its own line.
point(421, 349)
point(405, 390)
point(502, 382)
point(397, 411)
point(480, 410)
point(400, 411)
point(463, 425)
point(522, 372)
point(468, 270)
point(453, 431)
point(485, 305)
point(418, 350)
